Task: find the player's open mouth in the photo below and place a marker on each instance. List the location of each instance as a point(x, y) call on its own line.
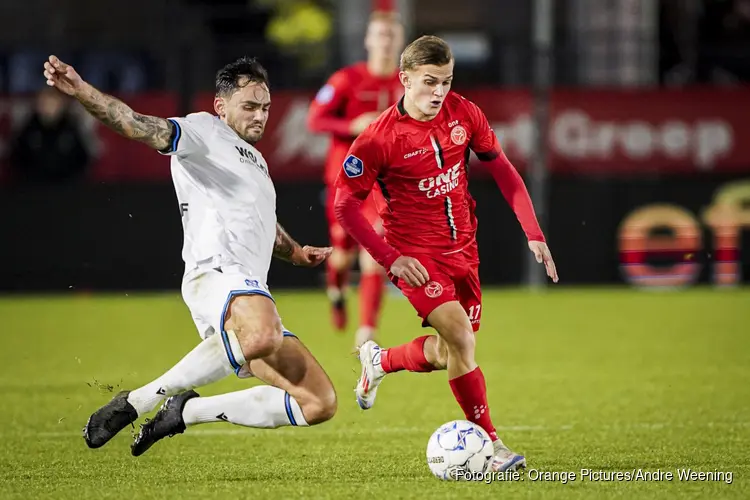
point(436, 103)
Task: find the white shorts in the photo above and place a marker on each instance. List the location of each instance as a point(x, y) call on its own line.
point(207, 293)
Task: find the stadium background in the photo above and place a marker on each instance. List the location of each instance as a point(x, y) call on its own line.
point(641, 180)
point(645, 104)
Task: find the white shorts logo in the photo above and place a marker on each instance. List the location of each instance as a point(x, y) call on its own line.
point(458, 135)
point(254, 285)
point(433, 289)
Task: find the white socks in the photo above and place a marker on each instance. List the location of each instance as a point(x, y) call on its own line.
point(263, 406)
point(211, 360)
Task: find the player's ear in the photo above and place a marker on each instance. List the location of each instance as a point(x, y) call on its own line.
point(405, 81)
point(220, 106)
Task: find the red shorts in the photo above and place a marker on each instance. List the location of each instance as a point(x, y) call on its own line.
point(452, 277)
point(338, 236)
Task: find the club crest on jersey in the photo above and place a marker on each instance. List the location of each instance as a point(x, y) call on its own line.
point(353, 166)
point(433, 289)
point(458, 135)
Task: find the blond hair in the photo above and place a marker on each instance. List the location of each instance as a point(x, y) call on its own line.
point(426, 49)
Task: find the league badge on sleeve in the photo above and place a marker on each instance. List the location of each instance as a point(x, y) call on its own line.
point(325, 94)
point(353, 166)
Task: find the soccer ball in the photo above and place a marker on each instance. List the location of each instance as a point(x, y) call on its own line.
point(459, 450)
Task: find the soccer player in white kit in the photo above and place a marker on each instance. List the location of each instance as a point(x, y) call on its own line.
point(228, 205)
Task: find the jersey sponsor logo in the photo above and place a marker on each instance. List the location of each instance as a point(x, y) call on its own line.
point(325, 94)
point(247, 156)
point(415, 153)
point(441, 184)
point(458, 135)
point(252, 283)
point(353, 166)
point(433, 289)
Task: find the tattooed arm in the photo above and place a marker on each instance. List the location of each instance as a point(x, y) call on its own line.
point(150, 130)
point(153, 131)
point(285, 247)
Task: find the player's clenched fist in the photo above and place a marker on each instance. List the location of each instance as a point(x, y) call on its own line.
point(410, 270)
point(62, 76)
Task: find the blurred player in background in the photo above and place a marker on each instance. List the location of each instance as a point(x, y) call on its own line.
point(349, 101)
point(228, 205)
point(418, 152)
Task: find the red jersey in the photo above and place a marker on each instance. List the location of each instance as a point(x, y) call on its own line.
point(349, 92)
point(421, 168)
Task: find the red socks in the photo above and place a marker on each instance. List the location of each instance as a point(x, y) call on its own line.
point(408, 356)
point(470, 391)
point(370, 296)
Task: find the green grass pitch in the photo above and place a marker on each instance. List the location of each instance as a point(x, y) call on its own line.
point(609, 380)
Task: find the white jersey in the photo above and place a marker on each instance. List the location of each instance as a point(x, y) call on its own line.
point(226, 197)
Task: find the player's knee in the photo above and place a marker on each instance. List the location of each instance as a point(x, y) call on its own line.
point(464, 344)
point(322, 407)
point(453, 325)
point(459, 339)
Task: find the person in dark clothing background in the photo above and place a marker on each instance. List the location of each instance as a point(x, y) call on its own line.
point(49, 147)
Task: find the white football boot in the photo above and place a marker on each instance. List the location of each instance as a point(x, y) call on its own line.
point(372, 374)
point(505, 460)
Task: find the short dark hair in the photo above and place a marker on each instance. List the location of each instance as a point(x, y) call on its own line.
point(229, 77)
point(426, 49)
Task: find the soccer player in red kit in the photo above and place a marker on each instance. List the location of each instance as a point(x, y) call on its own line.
point(417, 152)
point(349, 101)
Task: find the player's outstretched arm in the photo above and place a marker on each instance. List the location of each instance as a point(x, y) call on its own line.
point(487, 148)
point(514, 190)
point(153, 131)
point(285, 248)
